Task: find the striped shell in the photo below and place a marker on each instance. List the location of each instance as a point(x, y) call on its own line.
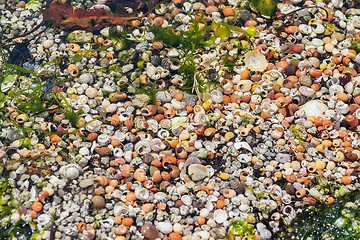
point(237, 186)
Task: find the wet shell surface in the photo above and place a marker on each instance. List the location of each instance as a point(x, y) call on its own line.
point(152, 136)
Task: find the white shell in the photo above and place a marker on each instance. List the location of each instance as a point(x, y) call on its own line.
point(255, 61)
point(335, 89)
point(243, 158)
point(48, 43)
point(220, 216)
point(318, 28)
point(44, 220)
point(120, 210)
point(103, 139)
point(161, 196)
point(201, 235)
point(71, 171)
point(84, 151)
point(118, 152)
point(288, 8)
point(187, 200)
point(142, 193)
point(244, 85)
point(109, 86)
point(244, 145)
point(305, 29)
point(314, 108)
point(94, 126)
point(337, 3)
point(204, 212)
point(86, 78)
point(164, 227)
point(107, 223)
point(210, 170)
point(197, 172)
point(306, 91)
point(173, 53)
point(142, 147)
point(296, 1)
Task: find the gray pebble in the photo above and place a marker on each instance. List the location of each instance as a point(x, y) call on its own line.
point(164, 96)
point(245, 15)
point(283, 158)
point(190, 99)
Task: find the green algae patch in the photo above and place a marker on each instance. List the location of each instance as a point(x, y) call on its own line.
point(9, 229)
point(266, 8)
point(80, 36)
point(240, 229)
point(340, 220)
point(33, 5)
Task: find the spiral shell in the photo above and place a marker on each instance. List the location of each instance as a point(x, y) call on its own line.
point(74, 47)
point(157, 145)
point(143, 147)
point(237, 186)
point(157, 45)
point(73, 70)
point(103, 180)
point(148, 111)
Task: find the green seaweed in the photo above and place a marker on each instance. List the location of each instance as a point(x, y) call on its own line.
point(120, 37)
point(240, 229)
point(355, 45)
point(197, 36)
point(31, 98)
point(299, 133)
point(9, 230)
point(246, 119)
point(229, 62)
point(266, 8)
point(166, 35)
point(149, 90)
point(340, 220)
point(70, 114)
point(94, 47)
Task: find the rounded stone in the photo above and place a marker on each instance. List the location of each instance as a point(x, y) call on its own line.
point(98, 202)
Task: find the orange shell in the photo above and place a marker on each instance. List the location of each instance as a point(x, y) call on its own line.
point(74, 47)
point(42, 195)
point(127, 222)
point(103, 180)
point(73, 70)
point(201, 220)
point(175, 236)
point(121, 230)
point(37, 206)
point(140, 175)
